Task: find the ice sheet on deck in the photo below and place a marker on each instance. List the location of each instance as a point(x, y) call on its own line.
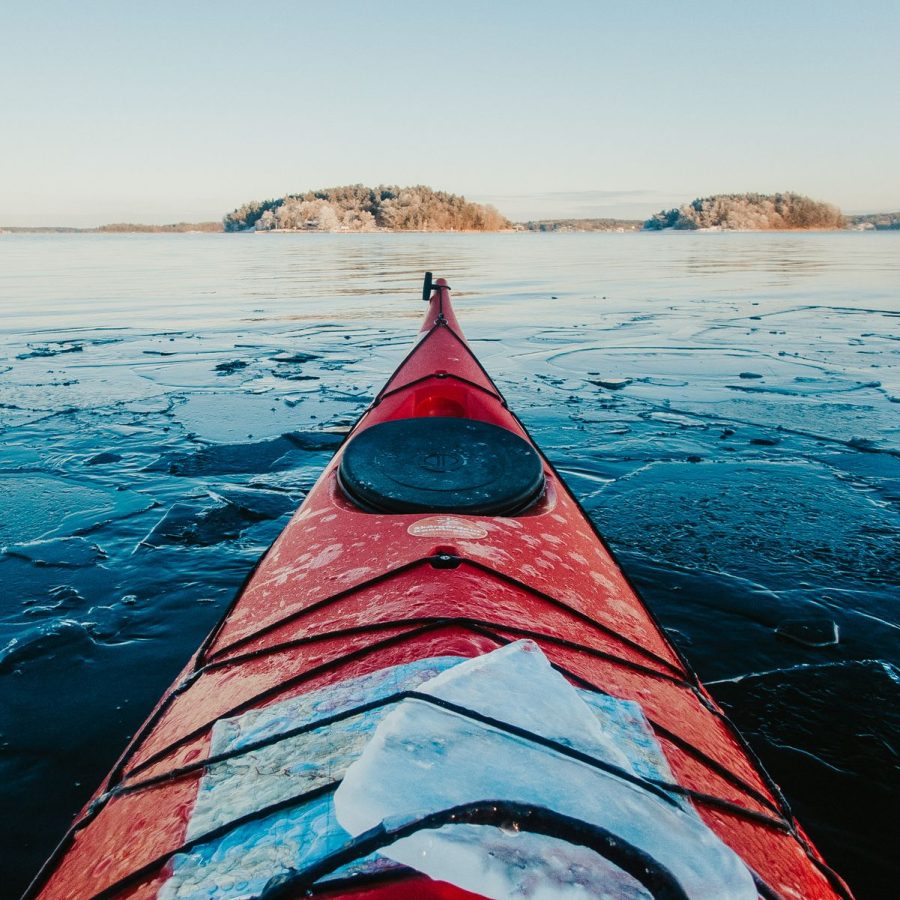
point(423, 759)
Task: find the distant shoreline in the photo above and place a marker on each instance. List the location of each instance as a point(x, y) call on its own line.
point(50, 230)
point(868, 222)
point(179, 228)
point(391, 209)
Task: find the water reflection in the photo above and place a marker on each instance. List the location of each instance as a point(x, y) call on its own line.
point(783, 254)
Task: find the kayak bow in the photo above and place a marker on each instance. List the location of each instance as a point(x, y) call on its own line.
point(437, 683)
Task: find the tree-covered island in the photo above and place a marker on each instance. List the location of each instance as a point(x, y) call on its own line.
point(359, 208)
point(749, 212)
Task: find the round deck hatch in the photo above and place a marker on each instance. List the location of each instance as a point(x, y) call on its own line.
point(441, 464)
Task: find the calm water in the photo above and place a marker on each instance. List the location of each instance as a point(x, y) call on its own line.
point(746, 469)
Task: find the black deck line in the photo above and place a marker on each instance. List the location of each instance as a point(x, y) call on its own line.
point(405, 567)
point(450, 620)
point(661, 883)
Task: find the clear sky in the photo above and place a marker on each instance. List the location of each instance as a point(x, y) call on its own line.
point(164, 111)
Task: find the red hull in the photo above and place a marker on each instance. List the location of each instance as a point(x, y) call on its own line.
point(343, 593)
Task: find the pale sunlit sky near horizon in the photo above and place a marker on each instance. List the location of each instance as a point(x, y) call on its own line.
point(173, 111)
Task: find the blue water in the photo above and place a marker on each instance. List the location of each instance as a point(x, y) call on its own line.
point(724, 405)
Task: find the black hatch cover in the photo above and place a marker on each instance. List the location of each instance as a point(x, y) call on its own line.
point(441, 464)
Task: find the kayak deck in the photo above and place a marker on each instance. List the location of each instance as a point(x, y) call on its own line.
point(345, 593)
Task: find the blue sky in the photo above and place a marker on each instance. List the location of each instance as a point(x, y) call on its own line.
point(183, 110)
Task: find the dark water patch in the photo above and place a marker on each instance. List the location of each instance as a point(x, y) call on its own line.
point(314, 440)
point(831, 732)
point(258, 504)
point(202, 524)
point(67, 552)
point(757, 438)
point(295, 357)
point(231, 366)
point(295, 375)
point(104, 458)
point(44, 641)
point(229, 459)
point(726, 624)
point(63, 719)
point(760, 520)
point(185, 523)
point(54, 348)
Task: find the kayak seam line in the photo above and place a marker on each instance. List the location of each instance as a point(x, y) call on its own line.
point(315, 607)
point(440, 377)
point(561, 604)
point(441, 322)
point(288, 684)
point(502, 576)
point(462, 620)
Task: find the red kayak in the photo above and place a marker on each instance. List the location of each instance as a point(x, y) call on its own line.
point(437, 683)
